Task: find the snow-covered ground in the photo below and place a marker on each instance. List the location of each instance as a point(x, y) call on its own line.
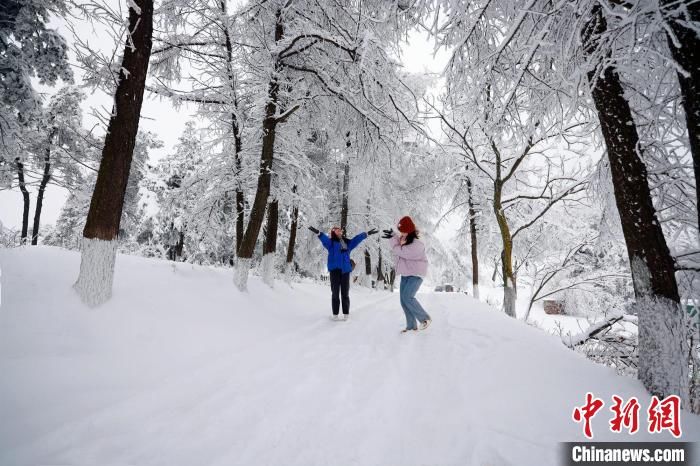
point(181, 369)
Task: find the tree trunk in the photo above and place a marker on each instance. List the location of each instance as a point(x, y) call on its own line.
point(40, 194)
point(368, 257)
point(663, 364)
point(472, 234)
point(25, 200)
point(102, 226)
point(180, 245)
point(293, 231)
point(240, 205)
point(236, 130)
point(344, 198)
point(509, 283)
point(380, 271)
point(687, 55)
point(270, 245)
point(257, 213)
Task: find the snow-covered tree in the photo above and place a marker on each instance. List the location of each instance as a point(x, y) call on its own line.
point(29, 49)
point(94, 283)
point(60, 149)
point(554, 53)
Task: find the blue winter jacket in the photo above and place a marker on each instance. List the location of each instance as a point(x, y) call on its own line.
point(338, 259)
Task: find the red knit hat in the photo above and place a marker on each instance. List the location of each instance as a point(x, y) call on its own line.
point(406, 225)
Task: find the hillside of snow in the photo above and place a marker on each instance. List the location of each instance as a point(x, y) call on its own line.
point(179, 368)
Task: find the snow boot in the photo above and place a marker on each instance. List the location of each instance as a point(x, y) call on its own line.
point(345, 317)
point(424, 324)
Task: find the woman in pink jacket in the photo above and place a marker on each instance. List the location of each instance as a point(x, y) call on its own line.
point(412, 265)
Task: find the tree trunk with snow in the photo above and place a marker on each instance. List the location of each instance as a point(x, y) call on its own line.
point(367, 279)
point(293, 231)
point(235, 130)
point(344, 197)
point(473, 238)
point(380, 267)
point(262, 193)
point(270, 246)
point(509, 283)
point(684, 44)
point(180, 246)
point(94, 284)
point(46, 176)
point(25, 200)
point(663, 355)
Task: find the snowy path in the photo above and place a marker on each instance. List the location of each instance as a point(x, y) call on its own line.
point(189, 372)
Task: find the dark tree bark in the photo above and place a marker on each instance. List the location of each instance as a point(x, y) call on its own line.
point(240, 204)
point(687, 55)
point(472, 235)
point(25, 200)
point(662, 361)
point(180, 245)
point(108, 197)
point(99, 247)
point(643, 235)
point(509, 282)
point(270, 245)
point(380, 271)
point(257, 213)
point(293, 230)
point(45, 178)
point(344, 197)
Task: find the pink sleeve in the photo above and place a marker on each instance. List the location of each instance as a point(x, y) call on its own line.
point(394, 241)
point(413, 252)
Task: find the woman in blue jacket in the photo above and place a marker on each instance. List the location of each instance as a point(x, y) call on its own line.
point(339, 266)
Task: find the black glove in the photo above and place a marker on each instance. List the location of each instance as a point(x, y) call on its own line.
point(314, 230)
point(373, 231)
point(388, 233)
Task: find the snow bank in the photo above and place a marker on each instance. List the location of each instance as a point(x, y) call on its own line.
point(180, 368)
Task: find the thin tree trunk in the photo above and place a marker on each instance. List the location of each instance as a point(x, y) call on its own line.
point(368, 257)
point(102, 226)
point(240, 205)
point(344, 197)
point(293, 231)
point(180, 245)
point(663, 364)
point(509, 283)
point(40, 194)
point(472, 235)
point(270, 245)
point(25, 200)
point(236, 130)
point(380, 271)
point(257, 213)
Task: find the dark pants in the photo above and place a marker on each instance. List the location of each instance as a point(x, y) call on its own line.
point(340, 285)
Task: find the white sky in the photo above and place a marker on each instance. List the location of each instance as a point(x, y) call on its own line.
point(160, 117)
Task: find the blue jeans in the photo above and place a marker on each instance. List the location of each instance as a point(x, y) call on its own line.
point(411, 307)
